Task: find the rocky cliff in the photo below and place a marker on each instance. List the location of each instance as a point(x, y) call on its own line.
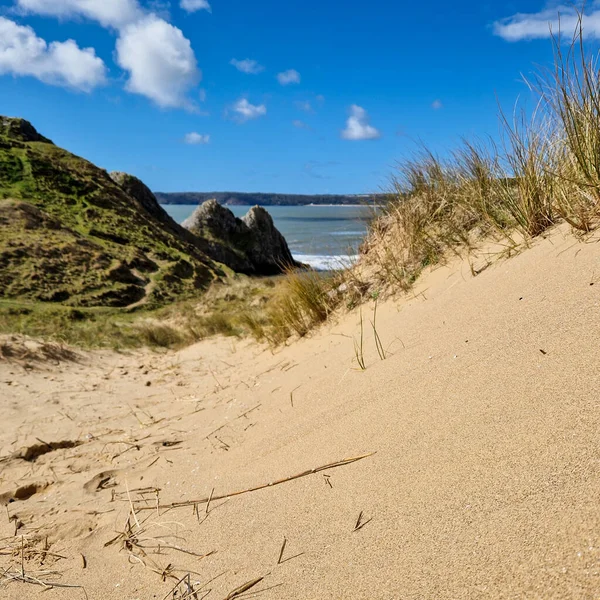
point(250, 245)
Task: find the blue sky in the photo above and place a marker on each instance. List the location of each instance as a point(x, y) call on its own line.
point(299, 96)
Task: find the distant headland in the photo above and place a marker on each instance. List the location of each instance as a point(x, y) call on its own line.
point(264, 199)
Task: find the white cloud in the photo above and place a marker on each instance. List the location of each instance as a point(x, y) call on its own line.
point(244, 111)
point(289, 76)
point(357, 126)
point(158, 58)
point(195, 139)
point(248, 66)
point(109, 13)
point(23, 53)
point(300, 124)
point(195, 5)
point(160, 62)
point(522, 26)
point(437, 105)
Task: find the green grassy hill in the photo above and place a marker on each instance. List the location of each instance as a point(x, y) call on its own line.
point(71, 235)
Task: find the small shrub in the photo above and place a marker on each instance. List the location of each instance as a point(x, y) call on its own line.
point(302, 301)
point(213, 324)
point(161, 335)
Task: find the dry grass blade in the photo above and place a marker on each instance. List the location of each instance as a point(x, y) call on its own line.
point(209, 500)
point(282, 560)
point(292, 394)
point(360, 523)
point(188, 593)
point(380, 349)
point(359, 347)
point(48, 585)
point(131, 506)
point(244, 588)
point(281, 551)
point(174, 588)
point(341, 463)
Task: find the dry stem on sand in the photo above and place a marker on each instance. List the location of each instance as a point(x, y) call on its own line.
point(333, 465)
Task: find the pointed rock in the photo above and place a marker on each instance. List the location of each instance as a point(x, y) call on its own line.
point(250, 245)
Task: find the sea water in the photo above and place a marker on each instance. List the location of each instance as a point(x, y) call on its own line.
point(325, 237)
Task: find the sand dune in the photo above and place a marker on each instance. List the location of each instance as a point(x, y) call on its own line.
point(483, 421)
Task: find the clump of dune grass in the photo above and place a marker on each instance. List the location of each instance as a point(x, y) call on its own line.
point(528, 190)
point(480, 179)
point(570, 92)
point(22, 349)
point(302, 300)
point(160, 335)
point(546, 169)
point(425, 216)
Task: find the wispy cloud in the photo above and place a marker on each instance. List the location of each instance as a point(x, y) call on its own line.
point(529, 26)
point(306, 106)
point(248, 66)
point(437, 105)
point(358, 127)
point(109, 13)
point(23, 53)
point(196, 139)
point(288, 77)
point(300, 124)
point(195, 5)
point(245, 111)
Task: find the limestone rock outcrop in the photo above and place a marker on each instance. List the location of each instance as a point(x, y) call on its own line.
point(250, 245)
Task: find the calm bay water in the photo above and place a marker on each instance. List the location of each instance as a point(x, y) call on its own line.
point(321, 236)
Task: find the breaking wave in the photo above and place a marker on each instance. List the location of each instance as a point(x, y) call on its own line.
point(322, 262)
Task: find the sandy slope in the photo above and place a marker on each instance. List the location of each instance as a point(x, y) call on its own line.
point(485, 420)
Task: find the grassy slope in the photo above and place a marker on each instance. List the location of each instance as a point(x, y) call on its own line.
point(71, 235)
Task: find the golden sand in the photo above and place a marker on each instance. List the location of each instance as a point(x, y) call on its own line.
point(484, 421)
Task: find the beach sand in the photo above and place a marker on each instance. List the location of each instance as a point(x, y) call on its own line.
point(483, 421)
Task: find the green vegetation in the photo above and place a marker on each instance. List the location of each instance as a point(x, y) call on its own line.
point(301, 301)
point(222, 310)
point(94, 263)
point(70, 234)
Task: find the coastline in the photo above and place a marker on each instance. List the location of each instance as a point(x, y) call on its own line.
point(267, 206)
